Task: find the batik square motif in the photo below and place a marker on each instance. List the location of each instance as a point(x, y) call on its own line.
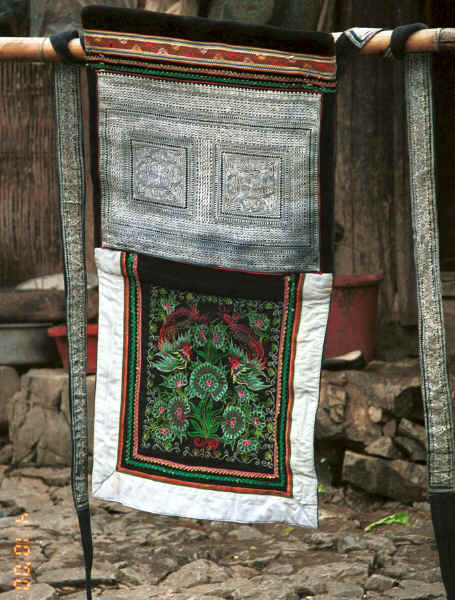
point(159, 173)
point(251, 185)
point(217, 392)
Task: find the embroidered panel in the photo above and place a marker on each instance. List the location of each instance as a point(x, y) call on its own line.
point(208, 174)
point(237, 57)
point(210, 407)
point(220, 382)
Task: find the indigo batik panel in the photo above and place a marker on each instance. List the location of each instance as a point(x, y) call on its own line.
point(210, 152)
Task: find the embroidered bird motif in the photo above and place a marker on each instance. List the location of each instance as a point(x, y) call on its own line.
point(179, 319)
point(243, 333)
point(247, 373)
point(173, 357)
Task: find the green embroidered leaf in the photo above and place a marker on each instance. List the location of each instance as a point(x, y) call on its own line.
point(401, 518)
point(167, 364)
point(235, 350)
point(198, 432)
point(211, 430)
point(254, 382)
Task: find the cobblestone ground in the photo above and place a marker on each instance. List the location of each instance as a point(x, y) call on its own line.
point(140, 556)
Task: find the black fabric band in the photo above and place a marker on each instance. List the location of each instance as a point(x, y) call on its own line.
point(86, 537)
point(206, 30)
point(209, 280)
point(400, 36)
point(350, 43)
point(443, 515)
point(345, 51)
point(60, 43)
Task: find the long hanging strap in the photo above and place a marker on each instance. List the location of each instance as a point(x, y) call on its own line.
point(432, 344)
point(433, 355)
point(71, 175)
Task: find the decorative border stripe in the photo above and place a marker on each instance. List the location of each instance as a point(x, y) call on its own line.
point(204, 70)
point(215, 55)
point(71, 177)
point(213, 78)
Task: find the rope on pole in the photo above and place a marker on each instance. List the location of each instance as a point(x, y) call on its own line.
point(40, 49)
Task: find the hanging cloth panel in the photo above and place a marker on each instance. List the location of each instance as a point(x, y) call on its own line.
point(214, 171)
point(208, 377)
point(235, 126)
point(433, 354)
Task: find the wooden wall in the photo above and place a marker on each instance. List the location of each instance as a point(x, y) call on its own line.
point(29, 219)
point(29, 240)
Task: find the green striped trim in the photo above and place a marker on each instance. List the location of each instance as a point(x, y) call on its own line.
point(132, 357)
point(212, 78)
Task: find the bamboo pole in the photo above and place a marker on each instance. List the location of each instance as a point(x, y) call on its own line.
point(41, 50)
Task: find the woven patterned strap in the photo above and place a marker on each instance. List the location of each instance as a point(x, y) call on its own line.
point(72, 213)
point(433, 356)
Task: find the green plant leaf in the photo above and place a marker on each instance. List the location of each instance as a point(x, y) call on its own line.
point(401, 518)
point(287, 530)
point(321, 488)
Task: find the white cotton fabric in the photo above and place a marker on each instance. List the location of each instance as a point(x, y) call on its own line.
point(183, 501)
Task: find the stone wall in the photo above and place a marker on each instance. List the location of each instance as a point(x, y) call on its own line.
point(39, 420)
point(369, 429)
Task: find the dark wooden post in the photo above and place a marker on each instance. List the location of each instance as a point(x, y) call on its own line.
point(372, 187)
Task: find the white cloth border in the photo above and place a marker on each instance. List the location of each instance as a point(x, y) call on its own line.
point(184, 501)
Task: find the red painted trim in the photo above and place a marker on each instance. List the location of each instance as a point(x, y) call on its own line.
point(125, 359)
point(295, 328)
